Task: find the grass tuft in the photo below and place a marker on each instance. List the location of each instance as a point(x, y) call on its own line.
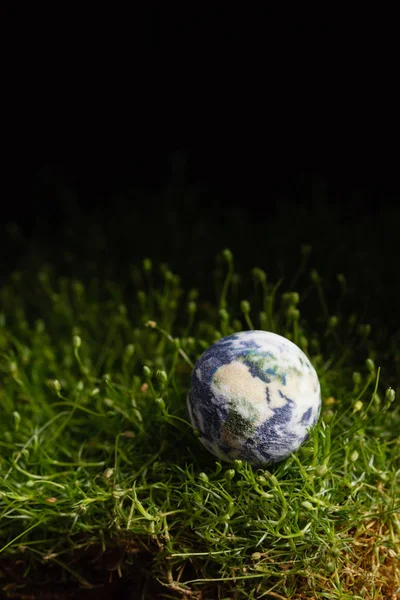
point(102, 476)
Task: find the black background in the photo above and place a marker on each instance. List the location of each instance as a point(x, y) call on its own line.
point(119, 145)
point(183, 205)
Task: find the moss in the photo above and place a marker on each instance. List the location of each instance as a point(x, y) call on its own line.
point(97, 455)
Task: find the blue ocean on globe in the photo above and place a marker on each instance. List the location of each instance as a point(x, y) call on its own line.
point(254, 395)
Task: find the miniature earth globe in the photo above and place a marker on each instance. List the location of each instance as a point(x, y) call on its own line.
point(253, 396)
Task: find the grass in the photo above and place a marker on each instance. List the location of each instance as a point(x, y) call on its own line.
point(102, 478)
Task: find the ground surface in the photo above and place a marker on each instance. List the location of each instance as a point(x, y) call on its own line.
point(105, 490)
